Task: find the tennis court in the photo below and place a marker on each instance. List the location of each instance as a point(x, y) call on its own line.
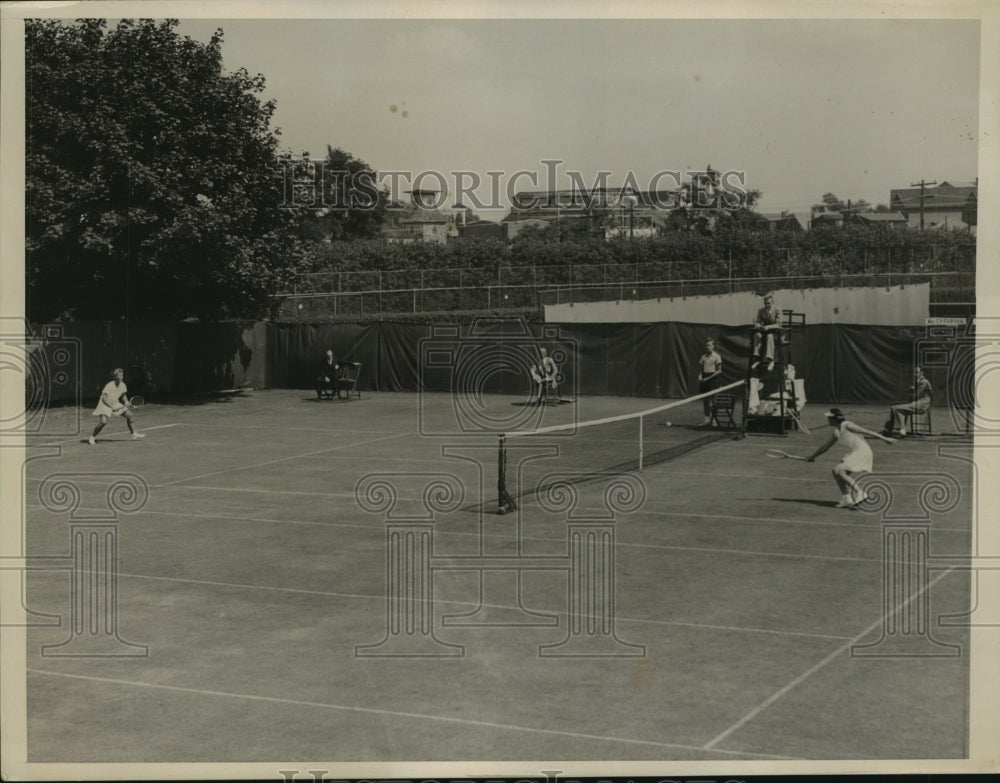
point(253, 623)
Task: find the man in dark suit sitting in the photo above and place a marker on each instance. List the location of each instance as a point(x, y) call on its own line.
point(329, 374)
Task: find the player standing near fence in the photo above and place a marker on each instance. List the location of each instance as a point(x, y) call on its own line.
point(709, 376)
point(859, 457)
point(114, 402)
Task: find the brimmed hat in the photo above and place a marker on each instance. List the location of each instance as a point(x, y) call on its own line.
point(835, 413)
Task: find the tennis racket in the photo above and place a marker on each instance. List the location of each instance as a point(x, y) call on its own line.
point(798, 420)
point(136, 401)
point(779, 454)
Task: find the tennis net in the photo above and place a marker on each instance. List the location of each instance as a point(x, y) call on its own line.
point(588, 449)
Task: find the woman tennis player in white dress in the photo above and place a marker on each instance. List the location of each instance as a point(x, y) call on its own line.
point(114, 402)
point(858, 459)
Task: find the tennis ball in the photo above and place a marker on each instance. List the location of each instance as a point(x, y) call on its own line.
point(669, 424)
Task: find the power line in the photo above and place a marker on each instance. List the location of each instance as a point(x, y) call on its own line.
point(922, 185)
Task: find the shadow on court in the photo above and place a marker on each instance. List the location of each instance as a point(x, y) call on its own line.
point(182, 399)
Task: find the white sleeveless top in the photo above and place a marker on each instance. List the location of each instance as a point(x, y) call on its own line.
point(859, 455)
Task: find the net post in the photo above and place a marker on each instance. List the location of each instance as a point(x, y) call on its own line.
point(505, 502)
point(642, 421)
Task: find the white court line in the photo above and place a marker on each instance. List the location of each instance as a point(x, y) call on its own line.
point(731, 628)
point(770, 520)
point(173, 485)
point(718, 517)
point(200, 425)
point(662, 514)
point(283, 459)
point(177, 486)
point(619, 543)
point(78, 438)
point(475, 604)
point(751, 553)
point(825, 478)
point(537, 539)
point(394, 713)
point(809, 672)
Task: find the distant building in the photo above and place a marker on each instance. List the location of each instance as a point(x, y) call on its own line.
point(600, 212)
point(871, 219)
point(826, 217)
point(623, 212)
point(782, 221)
point(420, 222)
point(946, 205)
point(481, 229)
point(511, 228)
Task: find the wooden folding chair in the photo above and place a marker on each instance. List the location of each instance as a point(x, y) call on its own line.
point(920, 422)
point(347, 384)
point(723, 405)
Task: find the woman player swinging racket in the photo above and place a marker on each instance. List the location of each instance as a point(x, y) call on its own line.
point(858, 459)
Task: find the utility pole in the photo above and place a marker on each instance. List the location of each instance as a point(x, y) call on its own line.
point(922, 185)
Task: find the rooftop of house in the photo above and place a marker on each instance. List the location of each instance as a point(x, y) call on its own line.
point(881, 217)
point(946, 195)
point(419, 215)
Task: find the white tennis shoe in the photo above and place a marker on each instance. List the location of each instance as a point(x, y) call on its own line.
point(137, 436)
point(91, 441)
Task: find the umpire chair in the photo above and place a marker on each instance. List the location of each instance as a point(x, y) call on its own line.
point(778, 414)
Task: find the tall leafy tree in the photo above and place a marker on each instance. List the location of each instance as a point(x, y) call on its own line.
point(335, 198)
point(152, 176)
point(831, 203)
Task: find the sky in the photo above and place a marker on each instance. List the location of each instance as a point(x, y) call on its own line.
point(802, 107)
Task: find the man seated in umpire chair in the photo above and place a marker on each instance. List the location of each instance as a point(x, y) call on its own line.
point(775, 397)
point(766, 328)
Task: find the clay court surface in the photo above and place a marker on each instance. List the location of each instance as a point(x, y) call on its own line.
point(252, 574)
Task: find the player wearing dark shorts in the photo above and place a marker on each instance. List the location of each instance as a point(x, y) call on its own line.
point(709, 376)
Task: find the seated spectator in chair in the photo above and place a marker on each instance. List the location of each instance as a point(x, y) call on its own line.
point(328, 377)
point(545, 374)
point(766, 326)
point(899, 415)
